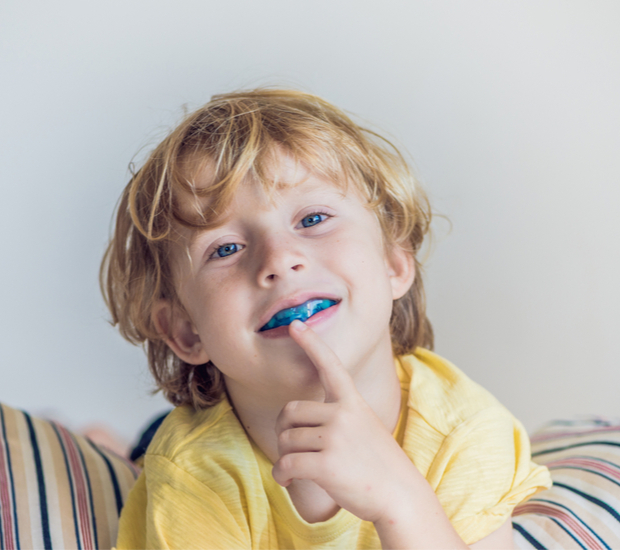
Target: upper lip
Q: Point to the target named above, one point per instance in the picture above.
(292, 301)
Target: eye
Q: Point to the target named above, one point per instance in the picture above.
(313, 219)
(226, 250)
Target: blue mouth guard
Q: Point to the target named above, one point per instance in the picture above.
(302, 312)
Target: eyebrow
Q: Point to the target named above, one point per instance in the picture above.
(221, 220)
(198, 231)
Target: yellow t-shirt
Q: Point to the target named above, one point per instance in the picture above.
(206, 485)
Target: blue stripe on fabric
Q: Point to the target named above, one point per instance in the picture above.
(12, 482)
(68, 467)
(113, 477)
(572, 512)
(555, 520)
(90, 492)
(45, 523)
(6, 446)
(592, 499)
(529, 538)
(574, 445)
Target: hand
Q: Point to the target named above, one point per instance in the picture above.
(341, 444)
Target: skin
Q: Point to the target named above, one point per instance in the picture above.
(321, 403)
(379, 482)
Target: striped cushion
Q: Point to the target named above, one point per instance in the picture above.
(582, 509)
(57, 489)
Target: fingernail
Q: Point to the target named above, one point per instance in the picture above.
(298, 325)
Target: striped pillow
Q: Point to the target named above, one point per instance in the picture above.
(57, 489)
(582, 509)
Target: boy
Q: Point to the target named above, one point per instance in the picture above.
(266, 253)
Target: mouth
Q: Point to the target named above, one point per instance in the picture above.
(303, 312)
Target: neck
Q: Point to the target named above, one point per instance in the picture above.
(375, 379)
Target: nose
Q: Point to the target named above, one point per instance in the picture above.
(280, 257)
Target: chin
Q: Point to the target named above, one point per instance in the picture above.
(301, 381)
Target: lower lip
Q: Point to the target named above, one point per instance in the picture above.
(320, 317)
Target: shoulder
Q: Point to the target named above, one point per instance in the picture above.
(472, 451)
(200, 442)
(443, 395)
(192, 486)
(186, 428)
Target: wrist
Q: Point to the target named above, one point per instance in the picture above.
(415, 519)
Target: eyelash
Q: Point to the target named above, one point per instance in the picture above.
(311, 215)
(213, 256)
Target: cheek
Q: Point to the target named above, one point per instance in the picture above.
(368, 266)
(207, 304)
(363, 255)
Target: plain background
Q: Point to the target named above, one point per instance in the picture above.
(509, 110)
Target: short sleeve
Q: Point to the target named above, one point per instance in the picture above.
(483, 470)
(169, 508)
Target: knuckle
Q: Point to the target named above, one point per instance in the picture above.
(290, 463)
(284, 436)
(279, 472)
(285, 463)
(290, 407)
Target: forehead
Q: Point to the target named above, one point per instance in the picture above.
(206, 202)
(290, 186)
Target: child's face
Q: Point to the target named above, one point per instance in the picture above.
(310, 242)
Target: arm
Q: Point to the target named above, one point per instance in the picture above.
(417, 520)
(343, 447)
(433, 529)
(499, 539)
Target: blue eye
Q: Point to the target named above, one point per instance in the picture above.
(227, 250)
(311, 220)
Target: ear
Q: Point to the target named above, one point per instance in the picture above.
(401, 270)
(176, 329)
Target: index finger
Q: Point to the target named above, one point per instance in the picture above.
(336, 381)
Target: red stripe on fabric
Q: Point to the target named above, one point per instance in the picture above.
(5, 502)
(537, 508)
(80, 489)
(586, 463)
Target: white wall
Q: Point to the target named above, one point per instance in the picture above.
(511, 111)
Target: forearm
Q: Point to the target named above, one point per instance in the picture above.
(416, 519)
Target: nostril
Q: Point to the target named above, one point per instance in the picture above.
(271, 273)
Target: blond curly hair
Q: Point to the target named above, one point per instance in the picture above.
(237, 136)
